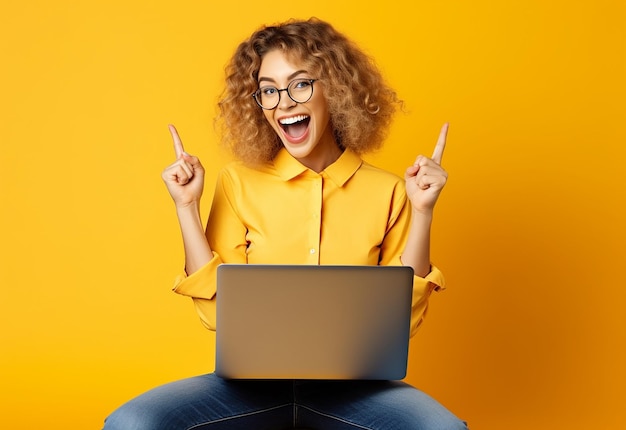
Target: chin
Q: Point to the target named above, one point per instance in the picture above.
(298, 151)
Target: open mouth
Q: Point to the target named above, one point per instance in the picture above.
(295, 126)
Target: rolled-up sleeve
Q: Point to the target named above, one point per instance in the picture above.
(422, 289)
(201, 287)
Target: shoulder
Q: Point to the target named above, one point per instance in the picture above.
(377, 184)
(238, 170)
(380, 176)
(239, 178)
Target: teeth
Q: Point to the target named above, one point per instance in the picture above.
(293, 119)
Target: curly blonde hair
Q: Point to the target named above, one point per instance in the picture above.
(361, 104)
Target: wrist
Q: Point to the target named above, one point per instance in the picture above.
(189, 214)
(424, 216)
(192, 206)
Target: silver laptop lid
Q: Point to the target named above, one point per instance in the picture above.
(312, 322)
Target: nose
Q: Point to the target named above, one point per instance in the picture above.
(285, 101)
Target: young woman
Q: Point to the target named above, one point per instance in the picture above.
(301, 104)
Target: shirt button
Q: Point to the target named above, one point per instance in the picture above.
(312, 251)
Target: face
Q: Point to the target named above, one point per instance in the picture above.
(303, 128)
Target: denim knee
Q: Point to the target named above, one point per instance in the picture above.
(128, 417)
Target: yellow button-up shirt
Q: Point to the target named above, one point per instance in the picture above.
(352, 213)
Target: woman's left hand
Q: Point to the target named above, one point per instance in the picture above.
(426, 178)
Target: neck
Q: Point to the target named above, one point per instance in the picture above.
(330, 156)
(326, 152)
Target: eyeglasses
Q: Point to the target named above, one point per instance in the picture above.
(298, 90)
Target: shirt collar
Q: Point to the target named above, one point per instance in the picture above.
(339, 172)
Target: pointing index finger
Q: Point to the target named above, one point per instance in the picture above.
(441, 144)
(178, 144)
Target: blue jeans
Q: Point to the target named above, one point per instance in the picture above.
(212, 403)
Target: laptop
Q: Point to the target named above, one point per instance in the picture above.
(312, 322)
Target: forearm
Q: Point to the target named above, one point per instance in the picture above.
(197, 249)
(417, 250)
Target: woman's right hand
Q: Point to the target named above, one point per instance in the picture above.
(185, 181)
(185, 177)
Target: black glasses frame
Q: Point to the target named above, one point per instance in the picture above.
(257, 94)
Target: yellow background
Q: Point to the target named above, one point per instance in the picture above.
(529, 231)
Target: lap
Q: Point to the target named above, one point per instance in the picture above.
(209, 402)
(376, 405)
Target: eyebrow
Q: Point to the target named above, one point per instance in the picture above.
(290, 77)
